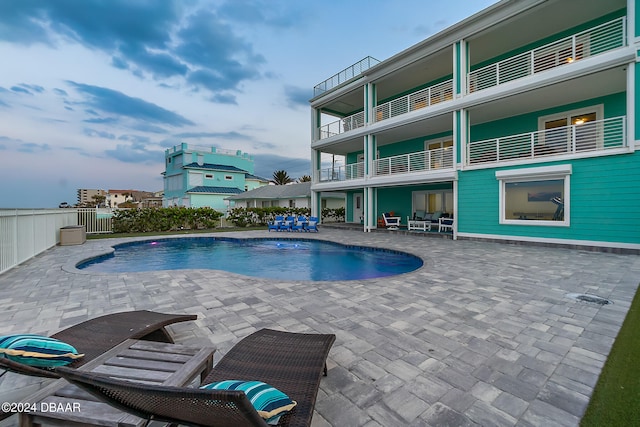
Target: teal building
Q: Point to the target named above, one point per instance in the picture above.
(519, 122)
(204, 176)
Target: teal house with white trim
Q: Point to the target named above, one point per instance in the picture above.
(205, 176)
(518, 122)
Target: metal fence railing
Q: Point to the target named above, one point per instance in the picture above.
(592, 136)
(345, 124)
(96, 220)
(344, 75)
(439, 158)
(415, 101)
(342, 173)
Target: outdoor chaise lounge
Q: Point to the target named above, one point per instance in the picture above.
(291, 362)
(96, 336)
(390, 221)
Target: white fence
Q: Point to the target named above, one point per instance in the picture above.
(24, 233)
(96, 220)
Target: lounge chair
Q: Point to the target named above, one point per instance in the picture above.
(96, 336)
(312, 225)
(287, 224)
(276, 223)
(391, 222)
(300, 224)
(291, 362)
(445, 224)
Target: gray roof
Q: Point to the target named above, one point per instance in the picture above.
(291, 191)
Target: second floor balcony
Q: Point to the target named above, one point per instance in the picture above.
(594, 136)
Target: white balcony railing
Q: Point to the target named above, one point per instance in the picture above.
(343, 125)
(600, 39)
(342, 173)
(414, 101)
(593, 136)
(440, 158)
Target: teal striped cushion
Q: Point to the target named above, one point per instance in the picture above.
(36, 350)
(270, 403)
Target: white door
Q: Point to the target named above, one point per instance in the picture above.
(358, 209)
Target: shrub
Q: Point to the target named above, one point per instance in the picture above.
(164, 219)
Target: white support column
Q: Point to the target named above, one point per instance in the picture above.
(370, 209)
(631, 104)
(455, 208)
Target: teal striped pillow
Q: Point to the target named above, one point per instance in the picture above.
(270, 403)
(38, 351)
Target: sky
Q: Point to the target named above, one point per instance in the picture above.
(92, 92)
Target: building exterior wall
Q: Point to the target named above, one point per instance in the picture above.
(493, 91)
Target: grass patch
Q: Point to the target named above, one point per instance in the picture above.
(170, 233)
(617, 393)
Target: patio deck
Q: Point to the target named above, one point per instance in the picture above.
(482, 334)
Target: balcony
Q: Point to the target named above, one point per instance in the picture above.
(595, 136)
(343, 125)
(344, 75)
(415, 101)
(440, 158)
(342, 173)
(597, 40)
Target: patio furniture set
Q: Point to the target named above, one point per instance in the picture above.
(291, 223)
(132, 373)
(421, 220)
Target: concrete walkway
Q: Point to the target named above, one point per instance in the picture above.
(483, 334)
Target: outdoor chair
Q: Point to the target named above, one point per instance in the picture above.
(96, 336)
(287, 224)
(312, 225)
(445, 224)
(276, 223)
(291, 362)
(391, 222)
(300, 224)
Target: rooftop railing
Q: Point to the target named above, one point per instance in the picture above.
(600, 39)
(344, 75)
(415, 101)
(600, 135)
(343, 125)
(439, 158)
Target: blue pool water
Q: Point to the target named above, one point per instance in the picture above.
(284, 259)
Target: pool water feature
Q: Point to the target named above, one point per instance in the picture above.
(284, 259)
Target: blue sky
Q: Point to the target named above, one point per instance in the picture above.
(93, 91)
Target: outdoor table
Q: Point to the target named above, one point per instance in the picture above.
(61, 403)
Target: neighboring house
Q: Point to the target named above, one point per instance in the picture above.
(206, 176)
(115, 197)
(288, 196)
(519, 121)
(86, 196)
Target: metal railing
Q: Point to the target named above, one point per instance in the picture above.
(598, 135)
(344, 75)
(96, 220)
(343, 125)
(24, 233)
(600, 39)
(439, 158)
(414, 101)
(342, 173)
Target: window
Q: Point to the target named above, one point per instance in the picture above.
(228, 178)
(535, 196)
(433, 201)
(209, 176)
(570, 132)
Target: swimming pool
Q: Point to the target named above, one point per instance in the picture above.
(285, 259)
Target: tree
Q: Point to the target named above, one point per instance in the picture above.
(281, 177)
(304, 178)
(98, 199)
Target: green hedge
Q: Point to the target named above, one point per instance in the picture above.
(244, 217)
(164, 219)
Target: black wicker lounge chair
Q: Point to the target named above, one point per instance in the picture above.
(291, 362)
(96, 336)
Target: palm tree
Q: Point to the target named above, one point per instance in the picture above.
(281, 177)
(304, 178)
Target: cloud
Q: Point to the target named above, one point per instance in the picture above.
(92, 133)
(20, 89)
(32, 88)
(220, 98)
(134, 138)
(221, 135)
(32, 147)
(60, 92)
(297, 96)
(162, 39)
(266, 164)
(114, 102)
(102, 120)
(135, 153)
(263, 12)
